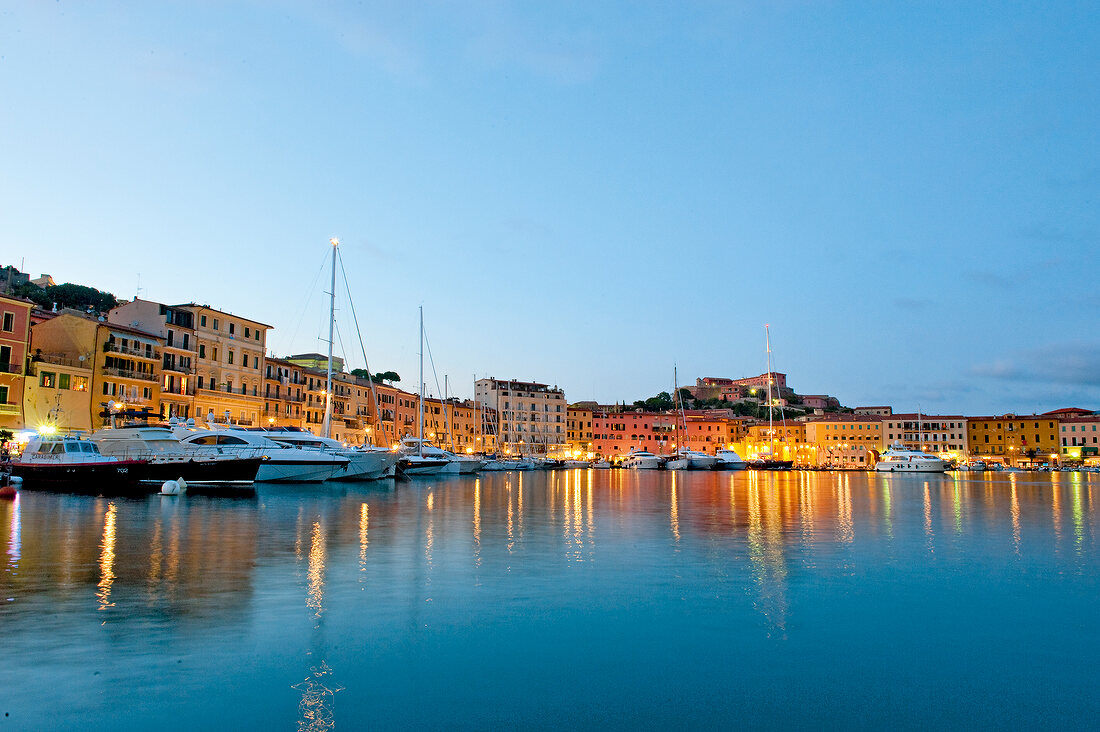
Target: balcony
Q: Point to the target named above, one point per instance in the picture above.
(177, 391)
(177, 368)
(9, 410)
(11, 368)
(153, 354)
(129, 374)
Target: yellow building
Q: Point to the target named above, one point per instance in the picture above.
(783, 441)
(578, 430)
(284, 394)
(124, 366)
(229, 365)
(843, 441)
(1013, 439)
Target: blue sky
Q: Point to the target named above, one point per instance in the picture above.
(586, 193)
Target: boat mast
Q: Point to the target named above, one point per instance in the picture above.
(771, 422)
(420, 400)
(327, 425)
(676, 391)
(446, 422)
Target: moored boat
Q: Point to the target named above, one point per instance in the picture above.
(899, 459)
(74, 465)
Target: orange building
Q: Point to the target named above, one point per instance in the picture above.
(15, 336)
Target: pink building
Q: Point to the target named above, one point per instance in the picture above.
(15, 334)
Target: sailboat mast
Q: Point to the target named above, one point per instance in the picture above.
(446, 421)
(771, 421)
(326, 426)
(420, 400)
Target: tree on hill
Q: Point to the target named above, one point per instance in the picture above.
(68, 295)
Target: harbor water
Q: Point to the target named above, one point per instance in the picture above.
(569, 599)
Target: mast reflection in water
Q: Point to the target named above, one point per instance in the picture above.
(581, 598)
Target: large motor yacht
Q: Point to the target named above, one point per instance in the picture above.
(281, 463)
(729, 460)
(642, 460)
(362, 464)
(900, 459)
(170, 459)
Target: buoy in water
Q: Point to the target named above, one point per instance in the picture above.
(170, 488)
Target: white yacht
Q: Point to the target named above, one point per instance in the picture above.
(697, 460)
(729, 460)
(642, 460)
(677, 462)
(170, 459)
(900, 459)
(571, 464)
(362, 464)
(281, 464)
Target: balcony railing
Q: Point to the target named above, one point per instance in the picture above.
(9, 409)
(59, 359)
(152, 353)
(10, 368)
(128, 373)
(177, 368)
(177, 391)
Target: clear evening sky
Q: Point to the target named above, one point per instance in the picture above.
(585, 193)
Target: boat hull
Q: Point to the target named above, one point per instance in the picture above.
(293, 471)
(117, 477)
(202, 473)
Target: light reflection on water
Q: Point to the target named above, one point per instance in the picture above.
(694, 599)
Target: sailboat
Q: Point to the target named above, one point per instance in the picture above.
(360, 464)
(769, 461)
(678, 460)
(413, 460)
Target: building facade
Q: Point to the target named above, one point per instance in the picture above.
(15, 336)
(531, 417)
(229, 365)
(1013, 439)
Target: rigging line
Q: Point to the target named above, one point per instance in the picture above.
(366, 364)
(428, 346)
(306, 302)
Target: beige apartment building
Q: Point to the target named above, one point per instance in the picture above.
(229, 365)
(531, 417)
(177, 328)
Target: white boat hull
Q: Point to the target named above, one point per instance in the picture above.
(273, 471)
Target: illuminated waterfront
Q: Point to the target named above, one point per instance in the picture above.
(569, 599)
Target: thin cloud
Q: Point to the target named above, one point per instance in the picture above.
(1072, 364)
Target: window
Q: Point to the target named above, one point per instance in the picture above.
(202, 320)
(5, 358)
(214, 353)
(3, 395)
(9, 322)
(80, 383)
(257, 334)
(229, 355)
(202, 350)
(63, 381)
(48, 379)
(185, 339)
(247, 333)
(215, 323)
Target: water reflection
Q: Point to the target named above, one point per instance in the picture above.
(748, 556)
(107, 559)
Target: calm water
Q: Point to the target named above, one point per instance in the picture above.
(584, 599)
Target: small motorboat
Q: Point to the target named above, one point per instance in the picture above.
(72, 464)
